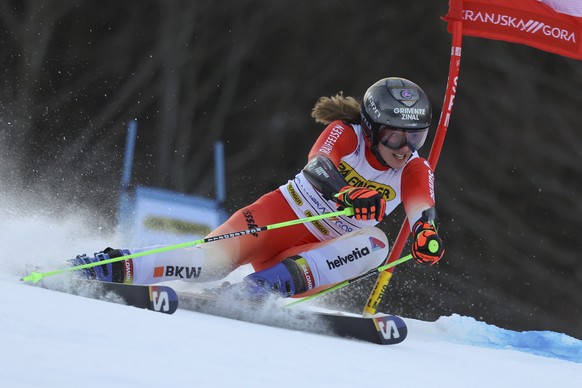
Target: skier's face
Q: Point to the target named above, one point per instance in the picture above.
(396, 145)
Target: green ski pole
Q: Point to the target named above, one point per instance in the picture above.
(353, 280)
(37, 276)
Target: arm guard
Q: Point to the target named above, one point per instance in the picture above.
(324, 176)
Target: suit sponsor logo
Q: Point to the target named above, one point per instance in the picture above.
(321, 207)
(356, 254)
(306, 272)
(355, 179)
(294, 195)
(248, 214)
(317, 224)
(128, 271)
(376, 244)
(177, 272)
(329, 143)
(431, 184)
(340, 224)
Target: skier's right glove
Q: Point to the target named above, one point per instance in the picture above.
(368, 204)
(427, 247)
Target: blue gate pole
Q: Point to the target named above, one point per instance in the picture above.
(125, 205)
(129, 151)
(219, 172)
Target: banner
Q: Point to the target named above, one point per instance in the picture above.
(550, 25)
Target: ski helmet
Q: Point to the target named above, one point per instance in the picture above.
(396, 104)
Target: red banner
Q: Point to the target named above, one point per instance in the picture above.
(550, 25)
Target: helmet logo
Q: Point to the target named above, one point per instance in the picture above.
(373, 106)
(406, 94)
(410, 113)
(408, 97)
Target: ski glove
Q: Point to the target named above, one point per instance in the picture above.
(368, 204)
(427, 247)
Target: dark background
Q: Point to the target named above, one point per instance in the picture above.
(509, 180)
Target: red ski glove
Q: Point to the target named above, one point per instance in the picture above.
(427, 247)
(368, 204)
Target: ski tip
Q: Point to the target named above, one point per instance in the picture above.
(391, 329)
(163, 299)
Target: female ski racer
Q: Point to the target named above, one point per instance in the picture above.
(366, 158)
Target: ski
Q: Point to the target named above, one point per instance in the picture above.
(162, 299)
(381, 329)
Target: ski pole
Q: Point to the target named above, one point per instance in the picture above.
(353, 280)
(37, 276)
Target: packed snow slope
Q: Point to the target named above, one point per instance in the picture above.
(53, 339)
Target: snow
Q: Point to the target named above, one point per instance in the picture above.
(53, 339)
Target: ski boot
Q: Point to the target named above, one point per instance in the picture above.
(110, 272)
(284, 279)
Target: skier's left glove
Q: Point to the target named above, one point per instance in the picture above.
(368, 204)
(427, 247)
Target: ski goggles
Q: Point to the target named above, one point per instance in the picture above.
(396, 138)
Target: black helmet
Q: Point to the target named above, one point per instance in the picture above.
(397, 104)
